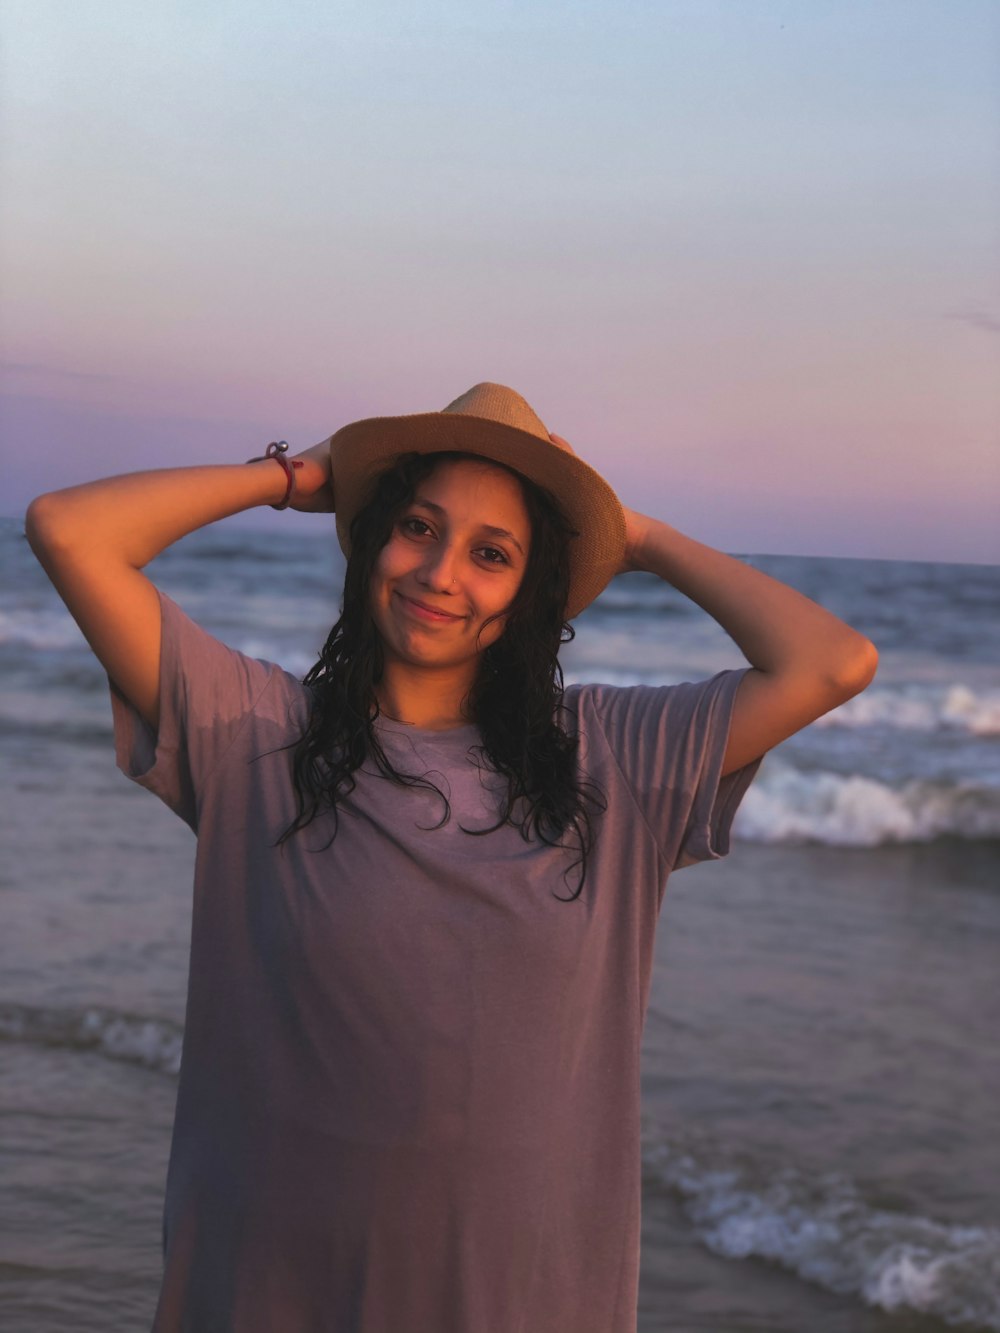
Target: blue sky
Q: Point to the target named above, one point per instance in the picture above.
(743, 255)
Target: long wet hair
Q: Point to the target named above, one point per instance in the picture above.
(516, 698)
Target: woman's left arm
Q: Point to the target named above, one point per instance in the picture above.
(804, 660)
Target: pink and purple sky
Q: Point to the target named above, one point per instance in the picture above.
(743, 254)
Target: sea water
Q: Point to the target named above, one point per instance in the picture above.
(821, 1086)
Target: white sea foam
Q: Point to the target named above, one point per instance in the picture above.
(294, 660)
(823, 1230)
(921, 708)
(786, 804)
(48, 629)
(618, 676)
(154, 1043)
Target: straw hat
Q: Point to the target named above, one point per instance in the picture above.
(498, 424)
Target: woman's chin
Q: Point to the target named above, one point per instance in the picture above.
(421, 652)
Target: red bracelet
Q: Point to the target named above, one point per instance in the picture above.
(277, 450)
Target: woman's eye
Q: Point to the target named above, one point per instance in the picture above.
(493, 555)
(415, 526)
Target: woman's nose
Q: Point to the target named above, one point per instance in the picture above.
(438, 570)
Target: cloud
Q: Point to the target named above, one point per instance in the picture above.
(978, 319)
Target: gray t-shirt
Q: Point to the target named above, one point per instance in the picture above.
(409, 1091)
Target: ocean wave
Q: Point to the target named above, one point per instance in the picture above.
(787, 805)
(620, 677)
(660, 601)
(153, 1043)
(921, 708)
(75, 732)
(296, 662)
(49, 629)
(824, 1231)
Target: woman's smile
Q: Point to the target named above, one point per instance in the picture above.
(425, 612)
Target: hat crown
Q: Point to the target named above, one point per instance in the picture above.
(495, 402)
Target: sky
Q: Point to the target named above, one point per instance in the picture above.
(743, 254)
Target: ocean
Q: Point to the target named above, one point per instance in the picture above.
(821, 1087)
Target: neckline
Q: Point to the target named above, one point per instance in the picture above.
(392, 727)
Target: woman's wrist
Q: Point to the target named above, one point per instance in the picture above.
(277, 453)
(272, 482)
(636, 531)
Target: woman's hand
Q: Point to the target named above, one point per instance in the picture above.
(313, 493)
(635, 523)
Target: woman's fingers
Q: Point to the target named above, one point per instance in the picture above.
(563, 444)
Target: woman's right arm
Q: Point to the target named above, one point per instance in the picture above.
(94, 540)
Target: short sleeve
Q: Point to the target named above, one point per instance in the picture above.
(668, 744)
(207, 692)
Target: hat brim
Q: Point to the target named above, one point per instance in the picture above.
(362, 450)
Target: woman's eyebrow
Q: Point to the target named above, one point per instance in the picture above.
(502, 532)
(485, 527)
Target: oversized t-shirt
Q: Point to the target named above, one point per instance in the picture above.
(409, 1088)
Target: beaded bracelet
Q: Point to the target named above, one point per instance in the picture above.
(277, 450)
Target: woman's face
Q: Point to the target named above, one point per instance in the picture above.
(456, 556)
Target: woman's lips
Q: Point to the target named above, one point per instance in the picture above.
(424, 612)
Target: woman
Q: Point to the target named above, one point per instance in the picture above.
(427, 878)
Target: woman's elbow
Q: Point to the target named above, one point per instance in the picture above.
(46, 527)
(38, 522)
(855, 668)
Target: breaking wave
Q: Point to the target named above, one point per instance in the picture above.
(825, 1232)
(921, 708)
(787, 805)
(154, 1043)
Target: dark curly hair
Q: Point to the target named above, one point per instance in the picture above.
(515, 700)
